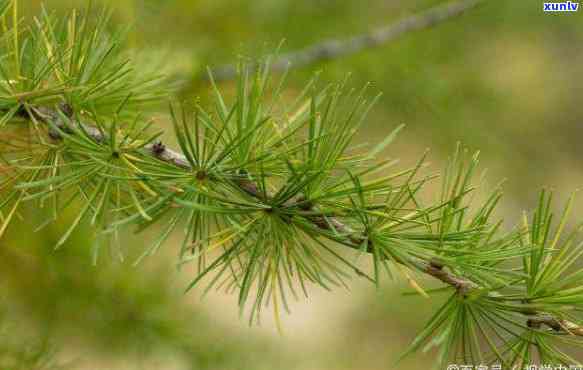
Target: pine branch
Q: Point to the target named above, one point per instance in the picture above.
(464, 287)
(337, 48)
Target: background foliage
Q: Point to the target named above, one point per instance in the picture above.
(501, 78)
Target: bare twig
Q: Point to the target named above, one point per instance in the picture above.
(336, 48)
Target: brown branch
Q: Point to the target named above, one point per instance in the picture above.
(556, 324)
(336, 48)
(432, 268)
(462, 285)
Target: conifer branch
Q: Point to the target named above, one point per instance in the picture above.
(159, 150)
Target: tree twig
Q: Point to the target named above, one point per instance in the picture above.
(556, 324)
(336, 48)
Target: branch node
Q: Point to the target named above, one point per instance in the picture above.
(201, 175)
(158, 148)
(66, 109)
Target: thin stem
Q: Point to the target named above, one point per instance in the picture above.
(334, 48)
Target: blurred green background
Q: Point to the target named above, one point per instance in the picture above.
(504, 78)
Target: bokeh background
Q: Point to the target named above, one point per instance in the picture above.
(504, 78)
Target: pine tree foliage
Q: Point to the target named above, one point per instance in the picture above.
(273, 197)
